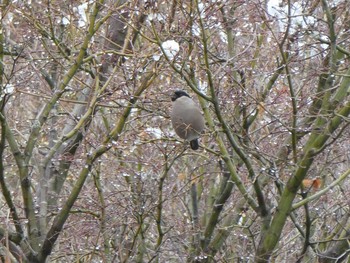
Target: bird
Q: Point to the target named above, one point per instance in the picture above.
(186, 118)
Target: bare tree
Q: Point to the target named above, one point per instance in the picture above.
(91, 170)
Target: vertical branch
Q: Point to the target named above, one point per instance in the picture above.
(103, 218)
(195, 218)
(4, 189)
(226, 228)
(225, 127)
(2, 71)
(19, 157)
(224, 193)
(41, 118)
(285, 59)
(44, 113)
(323, 104)
(72, 133)
(269, 242)
(114, 135)
(3, 97)
(159, 209)
(61, 218)
(46, 171)
(307, 228)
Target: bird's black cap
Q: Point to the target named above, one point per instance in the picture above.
(178, 94)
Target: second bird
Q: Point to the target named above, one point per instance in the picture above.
(186, 118)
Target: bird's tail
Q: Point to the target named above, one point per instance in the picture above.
(194, 144)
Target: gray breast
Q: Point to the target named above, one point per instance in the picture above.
(187, 119)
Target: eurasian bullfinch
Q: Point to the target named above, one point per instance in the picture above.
(186, 118)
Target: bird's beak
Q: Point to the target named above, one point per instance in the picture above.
(173, 97)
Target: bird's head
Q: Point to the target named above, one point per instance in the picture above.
(178, 94)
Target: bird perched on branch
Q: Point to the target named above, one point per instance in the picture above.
(186, 118)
